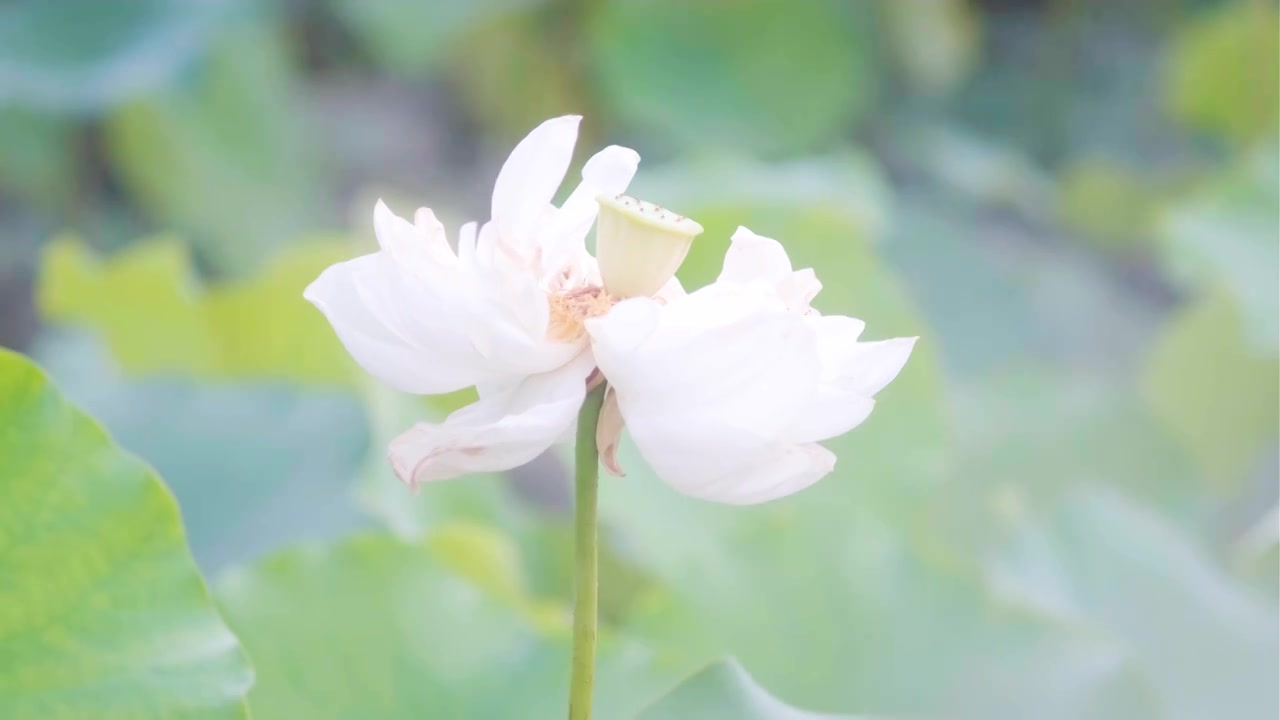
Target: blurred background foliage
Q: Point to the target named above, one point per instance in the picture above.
(1064, 508)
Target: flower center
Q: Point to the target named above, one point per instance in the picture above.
(570, 308)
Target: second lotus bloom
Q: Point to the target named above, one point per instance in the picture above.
(726, 391)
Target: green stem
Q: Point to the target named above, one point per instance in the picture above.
(586, 476)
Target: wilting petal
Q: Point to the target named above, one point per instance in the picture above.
(531, 175)
(609, 433)
(497, 432)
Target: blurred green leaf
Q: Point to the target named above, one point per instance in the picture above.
(1214, 391)
(84, 55)
(1029, 436)
(830, 569)
(377, 628)
(878, 614)
(1110, 204)
(140, 300)
(980, 170)
(512, 76)
(770, 75)
(155, 318)
(980, 313)
(224, 160)
(254, 465)
(725, 691)
(37, 157)
(856, 580)
(844, 200)
(543, 535)
(954, 31)
(412, 514)
(1222, 74)
(102, 611)
(412, 36)
(1255, 554)
(1103, 567)
(1225, 233)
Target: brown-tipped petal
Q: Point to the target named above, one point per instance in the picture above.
(609, 432)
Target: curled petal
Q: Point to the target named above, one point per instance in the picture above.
(609, 432)
(498, 432)
(608, 172)
(531, 175)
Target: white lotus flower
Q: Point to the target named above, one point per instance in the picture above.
(727, 391)
(503, 313)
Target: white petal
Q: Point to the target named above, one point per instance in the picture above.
(366, 301)
(852, 373)
(709, 386)
(754, 258)
(496, 433)
(531, 175)
(421, 247)
(608, 172)
(828, 412)
(467, 242)
(787, 470)
(867, 367)
(671, 292)
(627, 324)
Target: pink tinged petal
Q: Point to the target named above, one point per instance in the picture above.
(496, 433)
(373, 335)
(531, 175)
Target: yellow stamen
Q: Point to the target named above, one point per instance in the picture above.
(571, 308)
